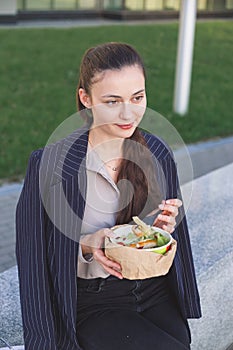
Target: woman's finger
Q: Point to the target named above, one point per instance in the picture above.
(113, 272)
(174, 201)
(110, 266)
(173, 210)
(168, 219)
(169, 228)
(101, 258)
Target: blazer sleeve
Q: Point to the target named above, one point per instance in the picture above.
(183, 268)
(34, 279)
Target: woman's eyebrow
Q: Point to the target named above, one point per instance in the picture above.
(138, 92)
(117, 96)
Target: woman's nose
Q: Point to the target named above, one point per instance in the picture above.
(126, 112)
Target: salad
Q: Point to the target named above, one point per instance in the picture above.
(141, 236)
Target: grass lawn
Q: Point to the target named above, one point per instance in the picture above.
(39, 73)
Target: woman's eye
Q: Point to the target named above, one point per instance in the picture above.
(112, 102)
(138, 98)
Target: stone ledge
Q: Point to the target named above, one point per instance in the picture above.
(205, 157)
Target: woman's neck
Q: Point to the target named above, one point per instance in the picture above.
(105, 145)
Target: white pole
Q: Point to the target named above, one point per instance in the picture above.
(184, 56)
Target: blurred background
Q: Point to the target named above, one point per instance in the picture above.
(122, 4)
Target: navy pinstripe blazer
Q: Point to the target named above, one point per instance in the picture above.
(47, 232)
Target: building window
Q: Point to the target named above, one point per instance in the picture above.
(146, 5)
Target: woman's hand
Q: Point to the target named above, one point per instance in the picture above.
(167, 219)
(93, 244)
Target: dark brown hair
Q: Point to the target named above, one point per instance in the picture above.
(137, 165)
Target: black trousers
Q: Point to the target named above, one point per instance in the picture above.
(115, 314)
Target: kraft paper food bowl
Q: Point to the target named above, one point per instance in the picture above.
(124, 230)
(139, 263)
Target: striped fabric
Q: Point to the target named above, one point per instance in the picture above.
(48, 221)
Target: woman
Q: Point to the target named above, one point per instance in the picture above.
(72, 295)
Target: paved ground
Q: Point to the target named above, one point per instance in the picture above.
(211, 236)
(68, 23)
(8, 197)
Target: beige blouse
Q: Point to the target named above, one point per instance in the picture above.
(102, 200)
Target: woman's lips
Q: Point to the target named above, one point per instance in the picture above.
(125, 126)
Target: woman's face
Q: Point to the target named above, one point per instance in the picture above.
(117, 100)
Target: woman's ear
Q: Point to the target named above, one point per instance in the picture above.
(84, 98)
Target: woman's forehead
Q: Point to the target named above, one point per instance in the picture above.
(129, 77)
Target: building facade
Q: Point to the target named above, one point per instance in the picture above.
(140, 5)
(13, 10)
